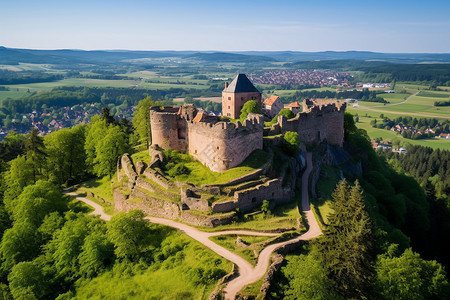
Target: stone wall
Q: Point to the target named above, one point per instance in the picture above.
(149, 205)
(224, 145)
(169, 130)
(191, 200)
(251, 198)
(205, 220)
(128, 168)
(166, 209)
(157, 177)
(322, 120)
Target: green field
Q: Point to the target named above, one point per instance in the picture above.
(387, 134)
(418, 106)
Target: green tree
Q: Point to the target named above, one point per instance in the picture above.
(27, 281)
(108, 150)
(66, 248)
(35, 148)
(18, 244)
(66, 154)
(284, 112)
(16, 179)
(307, 278)
(410, 277)
(106, 116)
(96, 254)
(95, 133)
(130, 234)
(12, 146)
(346, 246)
(141, 120)
(291, 142)
(38, 200)
(249, 107)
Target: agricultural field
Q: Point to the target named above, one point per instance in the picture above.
(418, 103)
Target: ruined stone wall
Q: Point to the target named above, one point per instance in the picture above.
(322, 120)
(225, 145)
(128, 167)
(165, 209)
(157, 177)
(169, 130)
(206, 221)
(149, 205)
(251, 198)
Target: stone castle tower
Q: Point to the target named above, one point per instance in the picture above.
(235, 94)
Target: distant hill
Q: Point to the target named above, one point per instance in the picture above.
(229, 57)
(353, 55)
(13, 56)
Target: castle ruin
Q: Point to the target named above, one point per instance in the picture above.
(222, 144)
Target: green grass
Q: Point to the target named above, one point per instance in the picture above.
(200, 174)
(169, 279)
(99, 187)
(434, 94)
(394, 98)
(434, 143)
(283, 217)
(252, 290)
(141, 155)
(254, 243)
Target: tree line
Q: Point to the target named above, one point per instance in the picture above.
(49, 245)
(10, 77)
(371, 241)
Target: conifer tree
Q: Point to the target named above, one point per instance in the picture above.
(34, 145)
(346, 247)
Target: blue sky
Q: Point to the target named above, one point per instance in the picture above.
(314, 25)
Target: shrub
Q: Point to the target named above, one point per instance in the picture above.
(178, 169)
(291, 142)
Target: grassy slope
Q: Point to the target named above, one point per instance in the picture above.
(170, 279)
(282, 217)
(201, 174)
(229, 242)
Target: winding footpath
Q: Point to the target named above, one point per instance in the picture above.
(246, 272)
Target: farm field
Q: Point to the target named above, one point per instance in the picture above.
(364, 123)
(420, 104)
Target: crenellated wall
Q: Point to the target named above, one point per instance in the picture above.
(169, 128)
(320, 120)
(224, 145)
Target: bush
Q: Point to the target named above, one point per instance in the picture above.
(291, 143)
(178, 169)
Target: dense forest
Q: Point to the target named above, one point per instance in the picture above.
(383, 236)
(50, 248)
(436, 73)
(11, 77)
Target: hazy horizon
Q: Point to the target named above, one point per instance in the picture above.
(382, 26)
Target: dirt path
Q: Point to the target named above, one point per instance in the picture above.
(98, 209)
(247, 274)
(260, 269)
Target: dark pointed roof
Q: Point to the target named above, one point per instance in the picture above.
(241, 84)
